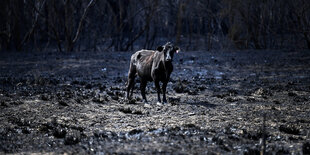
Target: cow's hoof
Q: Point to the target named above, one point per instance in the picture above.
(164, 103)
(147, 105)
(159, 104)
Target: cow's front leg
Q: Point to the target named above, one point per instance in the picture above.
(164, 92)
(158, 91)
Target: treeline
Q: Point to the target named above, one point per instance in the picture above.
(68, 25)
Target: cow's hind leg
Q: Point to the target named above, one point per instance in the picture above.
(131, 81)
(132, 87)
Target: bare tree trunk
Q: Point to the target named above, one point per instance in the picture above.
(15, 24)
(5, 14)
(34, 23)
(179, 21)
(209, 34)
(190, 34)
(68, 25)
(79, 29)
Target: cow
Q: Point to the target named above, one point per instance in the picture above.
(151, 65)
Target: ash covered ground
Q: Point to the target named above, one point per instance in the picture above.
(237, 102)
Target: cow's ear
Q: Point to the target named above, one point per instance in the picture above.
(176, 49)
(160, 48)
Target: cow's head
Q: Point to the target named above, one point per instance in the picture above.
(169, 49)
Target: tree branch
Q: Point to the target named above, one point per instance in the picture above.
(81, 21)
(30, 32)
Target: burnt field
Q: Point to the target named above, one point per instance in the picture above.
(219, 102)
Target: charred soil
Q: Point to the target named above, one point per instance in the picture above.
(239, 102)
